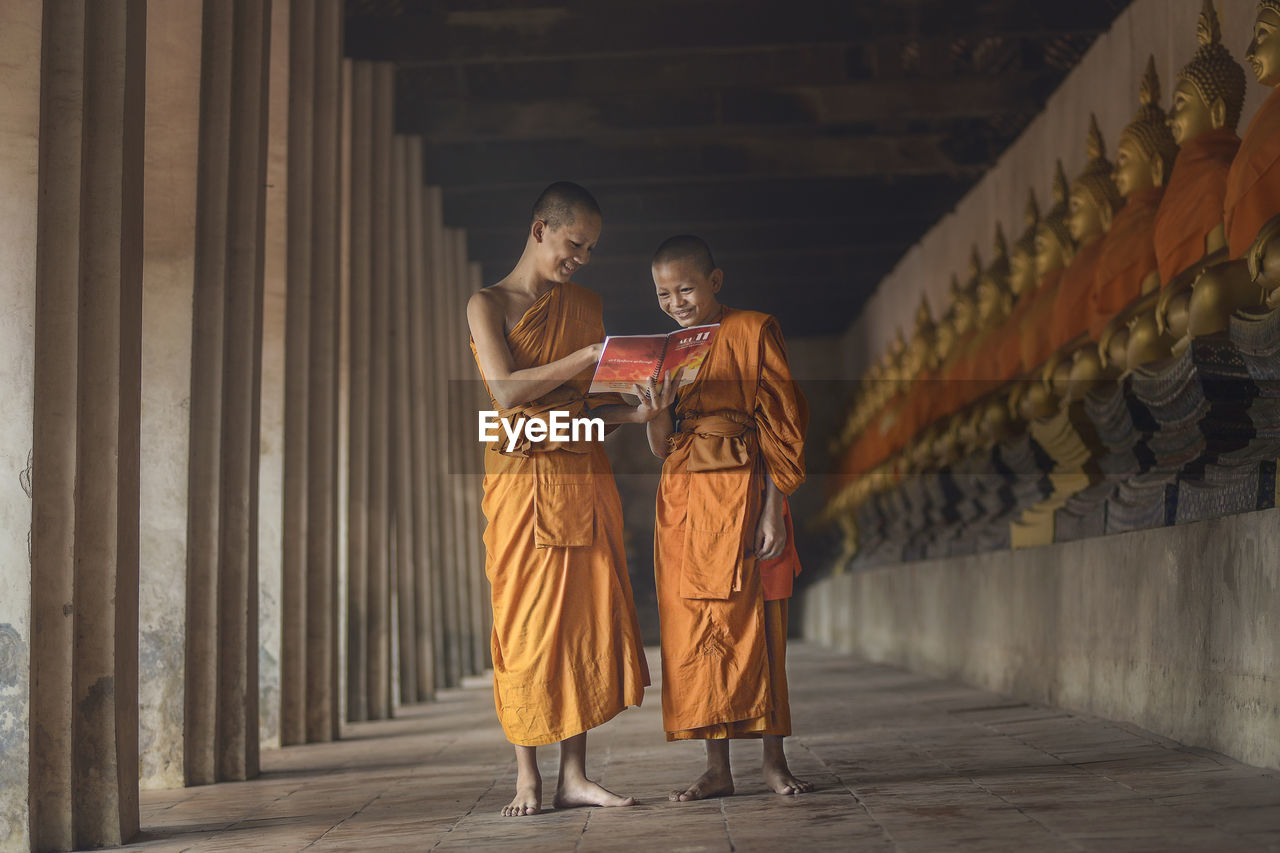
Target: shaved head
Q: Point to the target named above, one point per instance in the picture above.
(561, 203)
(686, 247)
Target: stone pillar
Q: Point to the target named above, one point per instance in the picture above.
(445, 316)
(378, 602)
(357, 384)
(462, 438)
(402, 471)
(275, 498)
(20, 114)
(88, 337)
(222, 577)
(298, 107)
(481, 610)
(169, 221)
(341, 494)
(322, 444)
(442, 618)
(422, 397)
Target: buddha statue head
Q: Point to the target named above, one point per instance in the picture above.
(897, 364)
(964, 298)
(1146, 150)
(1054, 246)
(1210, 89)
(1263, 54)
(944, 335)
(922, 351)
(1094, 199)
(1022, 260)
(995, 300)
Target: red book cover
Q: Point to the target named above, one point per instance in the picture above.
(630, 360)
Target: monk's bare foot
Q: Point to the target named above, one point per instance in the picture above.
(782, 782)
(716, 782)
(584, 792)
(527, 801)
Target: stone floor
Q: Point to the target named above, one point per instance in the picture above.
(902, 762)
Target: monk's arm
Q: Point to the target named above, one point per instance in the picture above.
(509, 386)
(659, 430)
(771, 532)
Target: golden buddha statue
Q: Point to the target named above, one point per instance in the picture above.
(1128, 275)
(1022, 260)
(994, 295)
(1251, 204)
(1054, 249)
(1093, 203)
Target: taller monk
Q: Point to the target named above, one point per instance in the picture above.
(732, 452)
(566, 643)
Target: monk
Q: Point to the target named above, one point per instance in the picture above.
(567, 654)
(732, 452)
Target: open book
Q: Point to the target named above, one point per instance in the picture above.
(630, 360)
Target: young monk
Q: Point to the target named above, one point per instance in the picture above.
(732, 450)
(566, 643)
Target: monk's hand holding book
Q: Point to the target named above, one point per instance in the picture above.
(656, 397)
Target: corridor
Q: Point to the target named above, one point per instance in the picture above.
(902, 762)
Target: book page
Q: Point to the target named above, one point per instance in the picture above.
(627, 361)
(687, 348)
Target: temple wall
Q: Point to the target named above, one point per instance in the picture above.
(1176, 629)
(1104, 82)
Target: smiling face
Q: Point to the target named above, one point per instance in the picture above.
(563, 251)
(1263, 54)
(685, 293)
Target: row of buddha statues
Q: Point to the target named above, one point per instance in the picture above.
(1132, 262)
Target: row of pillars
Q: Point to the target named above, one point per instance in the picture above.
(240, 502)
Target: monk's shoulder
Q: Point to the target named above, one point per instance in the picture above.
(749, 324)
(588, 300)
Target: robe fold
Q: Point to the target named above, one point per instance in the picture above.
(1034, 338)
(1193, 200)
(567, 654)
(723, 644)
(1127, 256)
(1072, 304)
(1253, 184)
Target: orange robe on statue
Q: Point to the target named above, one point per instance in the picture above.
(1253, 185)
(1035, 336)
(567, 654)
(723, 643)
(1072, 306)
(1193, 200)
(1127, 256)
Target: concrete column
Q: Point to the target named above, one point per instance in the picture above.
(378, 628)
(237, 699)
(52, 541)
(298, 107)
(460, 437)
(436, 446)
(422, 397)
(482, 611)
(169, 221)
(358, 375)
(322, 716)
(402, 471)
(341, 503)
(20, 116)
(445, 317)
(275, 502)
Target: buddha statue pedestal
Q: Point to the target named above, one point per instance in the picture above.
(1068, 439)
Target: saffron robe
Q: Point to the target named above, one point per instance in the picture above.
(1193, 200)
(1253, 184)
(567, 654)
(723, 645)
(1072, 305)
(1034, 333)
(1127, 256)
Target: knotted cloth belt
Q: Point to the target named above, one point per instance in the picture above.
(721, 441)
(720, 461)
(560, 400)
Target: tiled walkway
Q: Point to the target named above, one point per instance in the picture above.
(902, 762)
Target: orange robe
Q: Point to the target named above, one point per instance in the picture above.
(1072, 306)
(723, 644)
(1006, 346)
(1253, 185)
(1127, 256)
(567, 654)
(1034, 333)
(1193, 200)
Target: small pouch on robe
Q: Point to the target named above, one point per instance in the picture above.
(564, 501)
(713, 547)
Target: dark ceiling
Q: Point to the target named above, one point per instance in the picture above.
(811, 142)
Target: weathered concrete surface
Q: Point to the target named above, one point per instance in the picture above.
(172, 122)
(902, 762)
(1176, 630)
